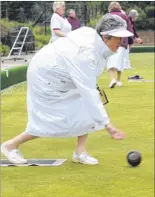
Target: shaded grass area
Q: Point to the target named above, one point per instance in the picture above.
(131, 108)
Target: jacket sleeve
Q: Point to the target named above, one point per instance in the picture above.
(83, 73)
(135, 32)
(129, 25)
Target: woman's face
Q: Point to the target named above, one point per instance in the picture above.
(113, 43)
(61, 10)
(134, 18)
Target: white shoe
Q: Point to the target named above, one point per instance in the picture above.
(119, 83)
(84, 158)
(112, 83)
(14, 156)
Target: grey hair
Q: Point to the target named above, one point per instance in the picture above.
(58, 4)
(71, 10)
(114, 6)
(110, 22)
(133, 13)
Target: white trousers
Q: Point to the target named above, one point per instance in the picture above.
(127, 59)
(117, 60)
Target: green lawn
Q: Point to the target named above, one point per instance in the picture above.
(131, 108)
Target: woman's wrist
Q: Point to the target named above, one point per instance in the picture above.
(111, 130)
(114, 132)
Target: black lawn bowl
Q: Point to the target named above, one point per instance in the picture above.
(134, 158)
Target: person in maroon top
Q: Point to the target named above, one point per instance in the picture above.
(116, 62)
(73, 20)
(133, 15)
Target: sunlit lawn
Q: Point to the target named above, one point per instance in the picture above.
(131, 108)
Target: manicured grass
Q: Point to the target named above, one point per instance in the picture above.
(131, 108)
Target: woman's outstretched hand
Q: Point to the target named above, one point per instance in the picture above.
(114, 132)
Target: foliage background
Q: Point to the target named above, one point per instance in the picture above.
(28, 11)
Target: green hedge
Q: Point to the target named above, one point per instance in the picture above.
(143, 49)
(4, 49)
(15, 76)
(150, 11)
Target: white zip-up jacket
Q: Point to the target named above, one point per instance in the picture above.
(62, 97)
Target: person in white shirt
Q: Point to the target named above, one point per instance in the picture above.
(59, 24)
(62, 98)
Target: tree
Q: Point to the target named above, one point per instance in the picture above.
(150, 11)
(30, 11)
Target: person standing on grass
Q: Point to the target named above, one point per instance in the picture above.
(73, 20)
(62, 96)
(59, 24)
(133, 15)
(115, 63)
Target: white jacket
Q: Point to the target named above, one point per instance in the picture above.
(62, 97)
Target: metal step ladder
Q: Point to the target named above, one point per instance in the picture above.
(19, 43)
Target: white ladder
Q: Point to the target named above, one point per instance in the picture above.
(26, 29)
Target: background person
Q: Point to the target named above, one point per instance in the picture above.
(73, 20)
(59, 24)
(133, 15)
(115, 63)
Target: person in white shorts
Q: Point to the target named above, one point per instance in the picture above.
(62, 96)
(59, 24)
(116, 62)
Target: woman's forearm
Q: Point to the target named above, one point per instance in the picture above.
(59, 33)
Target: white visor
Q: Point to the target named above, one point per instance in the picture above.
(121, 32)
